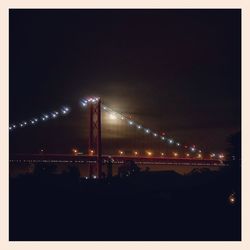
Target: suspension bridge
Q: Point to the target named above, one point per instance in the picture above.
(156, 149)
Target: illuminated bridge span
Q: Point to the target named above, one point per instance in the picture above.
(190, 155)
(69, 158)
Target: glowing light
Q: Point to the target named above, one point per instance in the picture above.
(149, 153)
(232, 198)
(14, 126)
(32, 122)
(21, 125)
(147, 131)
(155, 135)
(221, 156)
(175, 154)
(10, 128)
(120, 152)
(162, 154)
(212, 155)
(192, 149)
(171, 141)
(54, 115)
(112, 117)
(199, 155)
(74, 150)
(25, 123)
(187, 155)
(139, 126)
(91, 151)
(135, 153)
(46, 116)
(163, 138)
(178, 144)
(131, 122)
(84, 104)
(104, 107)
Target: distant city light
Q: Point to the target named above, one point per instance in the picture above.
(131, 122)
(232, 198)
(175, 154)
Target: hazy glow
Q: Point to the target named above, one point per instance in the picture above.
(112, 117)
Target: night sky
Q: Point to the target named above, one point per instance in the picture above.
(177, 71)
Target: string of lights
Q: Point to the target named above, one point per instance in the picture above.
(113, 115)
(42, 118)
(116, 115)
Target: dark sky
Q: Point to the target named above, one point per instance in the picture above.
(173, 70)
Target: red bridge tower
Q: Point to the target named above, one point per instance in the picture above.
(95, 138)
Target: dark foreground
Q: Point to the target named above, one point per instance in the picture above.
(147, 206)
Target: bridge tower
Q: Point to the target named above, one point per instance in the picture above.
(95, 139)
